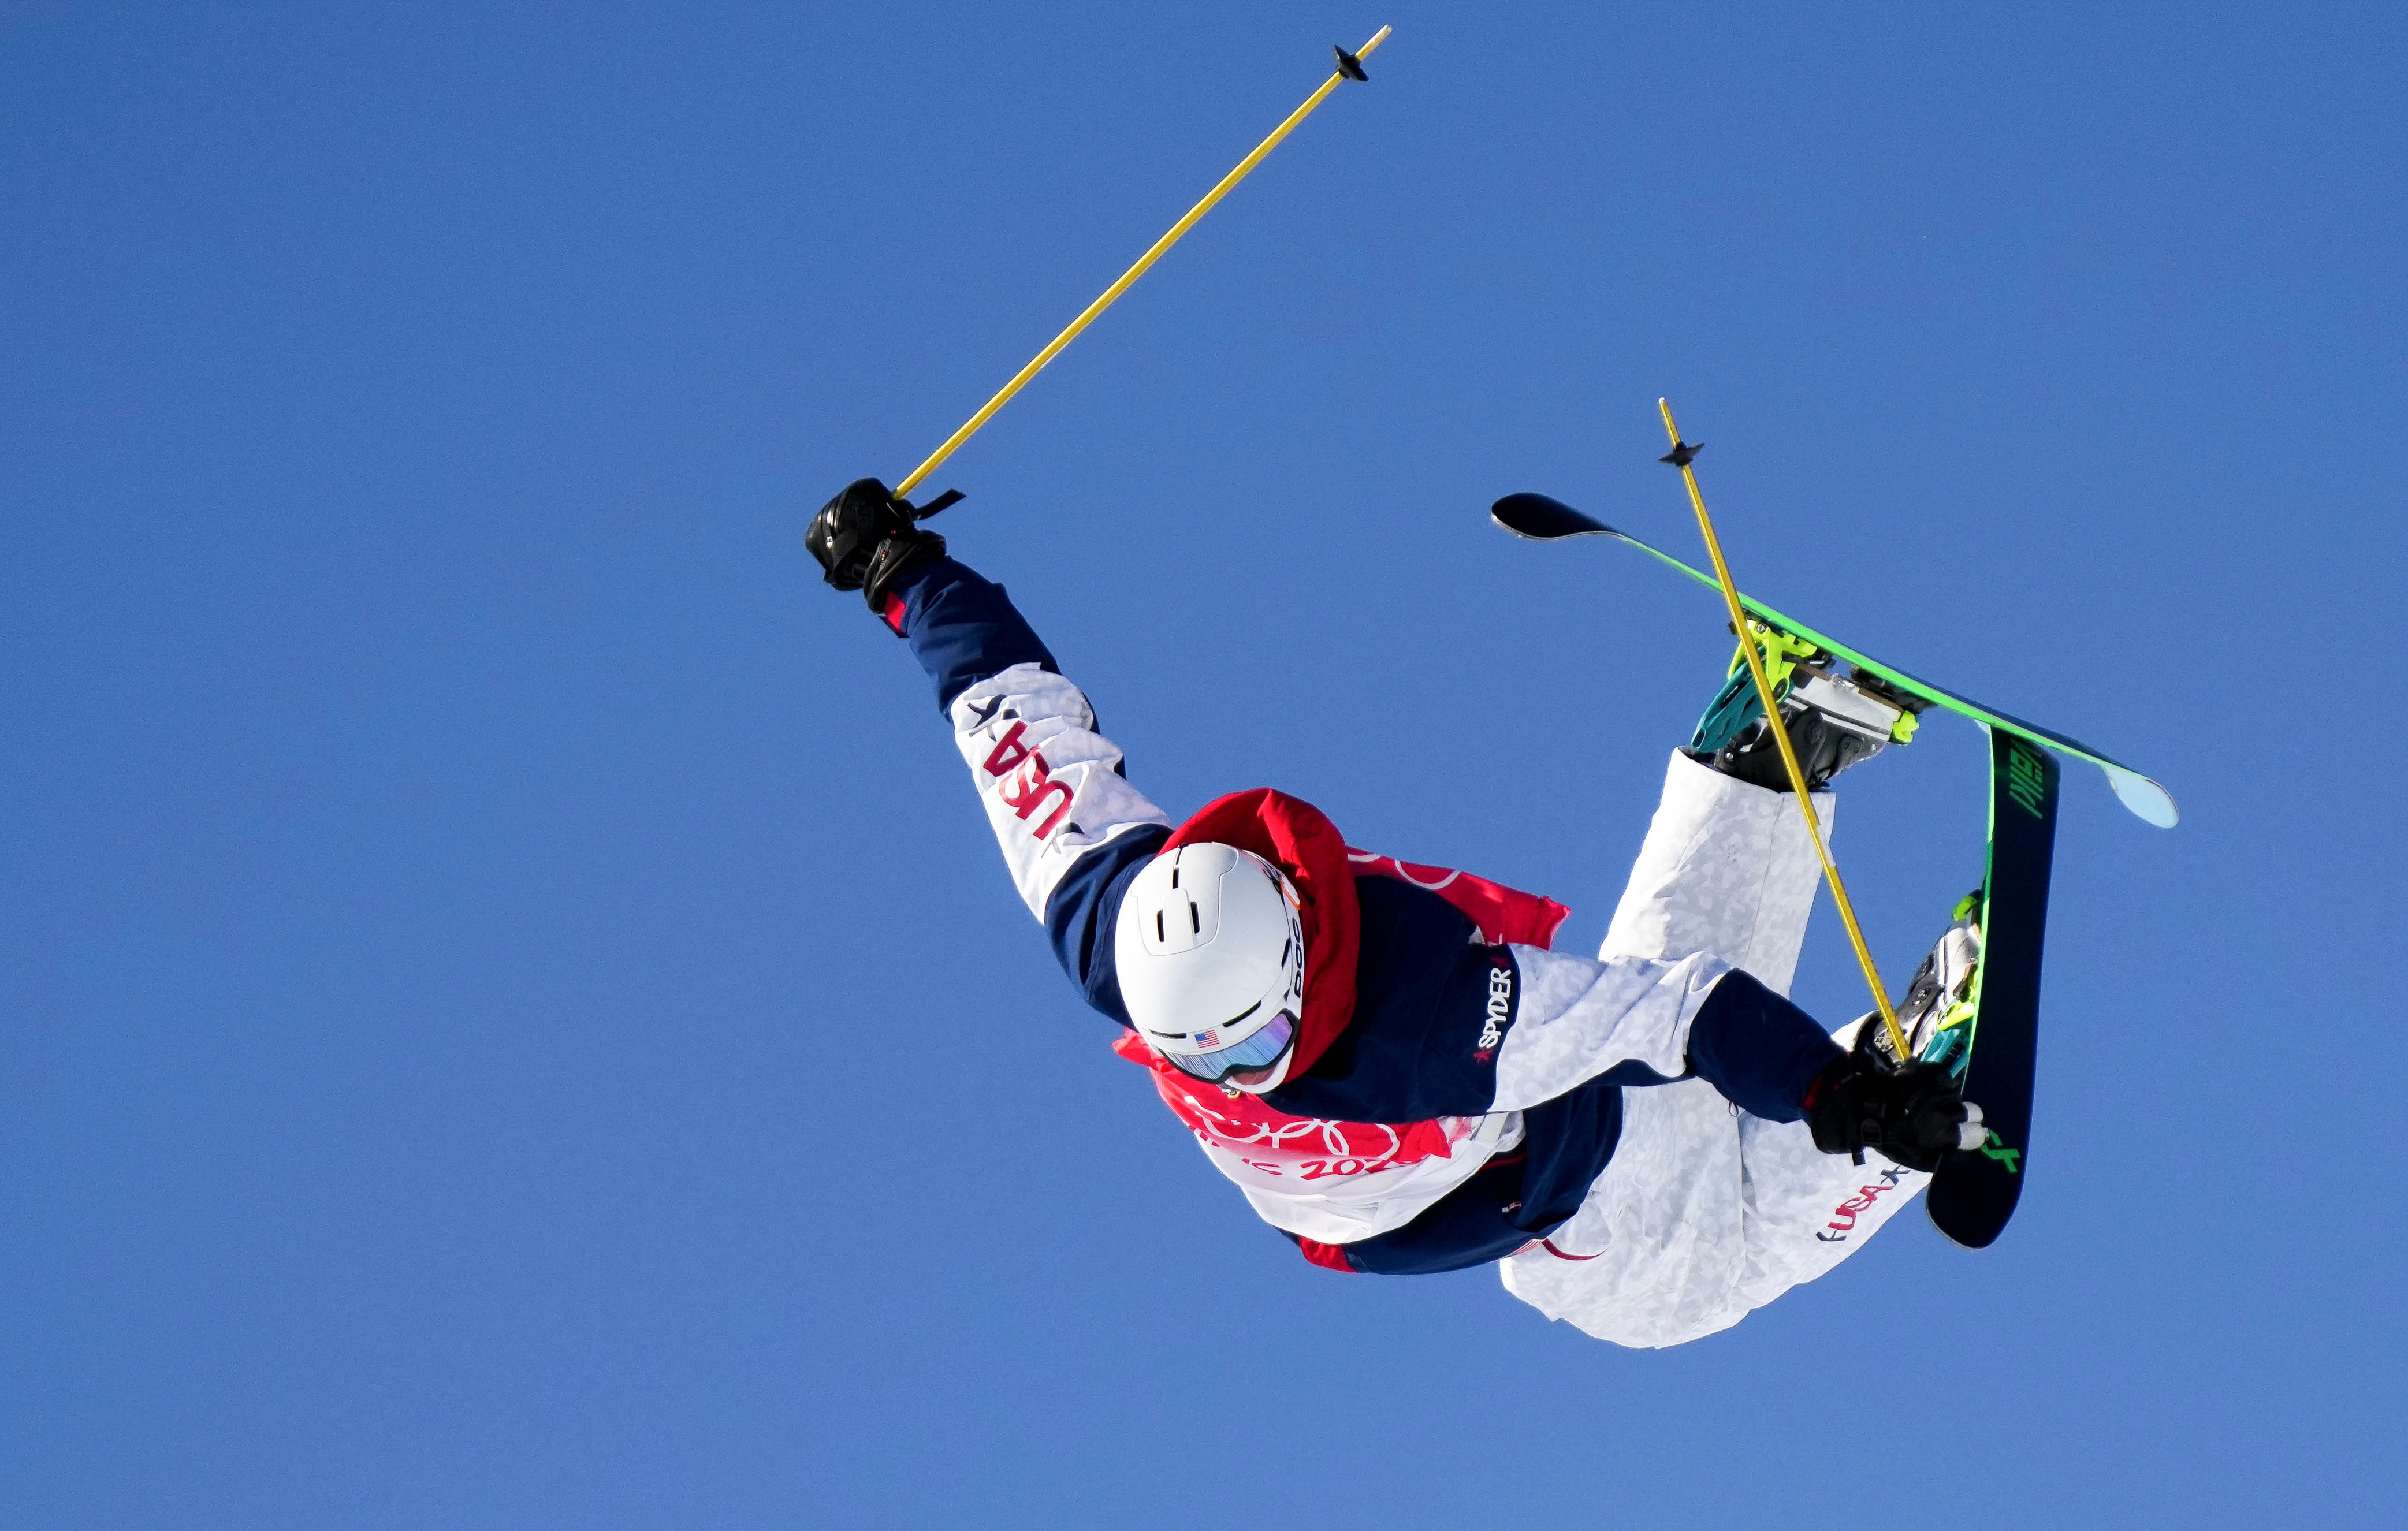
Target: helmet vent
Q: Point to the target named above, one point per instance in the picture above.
(1196, 920)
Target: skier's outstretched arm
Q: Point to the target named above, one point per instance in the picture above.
(1071, 828)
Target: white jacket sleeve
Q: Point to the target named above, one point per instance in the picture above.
(1051, 783)
(1579, 1017)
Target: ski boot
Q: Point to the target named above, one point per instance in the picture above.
(1834, 719)
(1938, 1002)
(1911, 1109)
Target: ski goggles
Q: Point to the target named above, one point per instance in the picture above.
(1259, 1052)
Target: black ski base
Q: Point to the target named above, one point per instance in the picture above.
(1974, 1194)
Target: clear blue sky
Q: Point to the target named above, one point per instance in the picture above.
(486, 934)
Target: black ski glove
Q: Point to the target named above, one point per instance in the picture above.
(1914, 1117)
(864, 539)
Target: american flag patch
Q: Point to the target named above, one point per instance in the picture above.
(1208, 1039)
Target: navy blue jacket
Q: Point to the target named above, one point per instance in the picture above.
(1422, 983)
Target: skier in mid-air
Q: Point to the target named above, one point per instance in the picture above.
(1390, 1062)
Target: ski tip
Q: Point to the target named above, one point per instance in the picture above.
(2149, 802)
(1543, 520)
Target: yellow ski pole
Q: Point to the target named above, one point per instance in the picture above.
(1350, 67)
(1681, 456)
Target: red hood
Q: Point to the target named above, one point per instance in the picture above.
(1298, 840)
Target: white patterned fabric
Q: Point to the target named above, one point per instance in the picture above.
(1706, 1212)
(1051, 783)
(1337, 1182)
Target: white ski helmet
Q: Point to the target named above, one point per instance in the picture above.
(1210, 950)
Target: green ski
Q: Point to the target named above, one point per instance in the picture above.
(1545, 520)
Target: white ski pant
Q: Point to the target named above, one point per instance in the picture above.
(1704, 1211)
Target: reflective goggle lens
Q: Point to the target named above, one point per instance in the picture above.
(1259, 1051)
